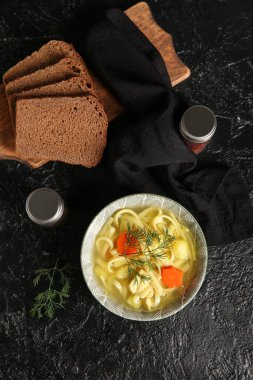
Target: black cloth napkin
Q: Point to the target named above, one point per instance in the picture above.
(145, 152)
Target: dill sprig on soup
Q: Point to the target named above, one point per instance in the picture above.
(144, 258)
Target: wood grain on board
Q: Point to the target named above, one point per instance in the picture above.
(141, 15)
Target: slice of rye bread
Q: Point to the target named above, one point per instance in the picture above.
(69, 87)
(69, 129)
(49, 54)
(64, 69)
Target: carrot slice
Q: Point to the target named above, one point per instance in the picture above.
(172, 277)
(123, 248)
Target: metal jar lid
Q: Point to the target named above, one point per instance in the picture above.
(44, 207)
(198, 124)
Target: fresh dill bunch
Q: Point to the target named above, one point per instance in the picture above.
(57, 292)
(145, 257)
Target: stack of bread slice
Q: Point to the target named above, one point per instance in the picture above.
(55, 111)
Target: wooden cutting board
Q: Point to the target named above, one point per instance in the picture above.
(141, 15)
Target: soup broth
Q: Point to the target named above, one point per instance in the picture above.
(144, 258)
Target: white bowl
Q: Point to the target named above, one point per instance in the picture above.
(140, 200)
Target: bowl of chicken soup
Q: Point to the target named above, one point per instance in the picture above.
(144, 257)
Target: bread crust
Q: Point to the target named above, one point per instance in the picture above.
(69, 87)
(49, 54)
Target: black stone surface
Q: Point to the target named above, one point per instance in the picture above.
(212, 337)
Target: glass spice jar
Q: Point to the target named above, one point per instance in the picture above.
(197, 127)
(46, 208)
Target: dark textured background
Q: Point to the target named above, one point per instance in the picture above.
(212, 337)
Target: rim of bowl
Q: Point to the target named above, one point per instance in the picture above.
(147, 318)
